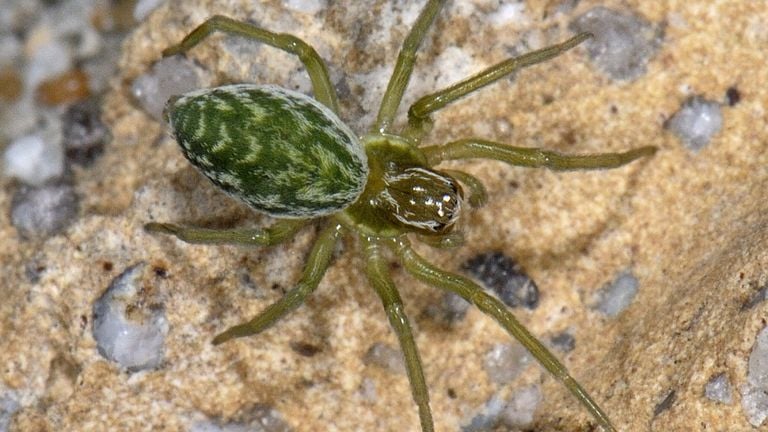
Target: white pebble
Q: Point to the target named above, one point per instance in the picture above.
(521, 407)
(718, 389)
(48, 60)
(618, 295)
(754, 394)
(127, 329)
(386, 357)
(504, 362)
(38, 212)
(507, 14)
(623, 42)
(8, 407)
(144, 8)
(170, 76)
(34, 159)
(696, 122)
(306, 6)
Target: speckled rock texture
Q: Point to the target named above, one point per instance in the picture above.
(690, 226)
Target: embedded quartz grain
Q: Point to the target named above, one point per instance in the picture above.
(504, 362)
(38, 212)
(718, 389)
(617, 295)
(8, 406)
(449, 310)
(696, 122)
(168, 77)
(521, 407)
(34, 159)
(260, 418)
(128, 327)
(623, 42)
(754, 394)
(386, 357)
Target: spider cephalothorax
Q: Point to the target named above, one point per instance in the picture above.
(290, 156)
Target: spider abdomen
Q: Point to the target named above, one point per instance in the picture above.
(283, 153)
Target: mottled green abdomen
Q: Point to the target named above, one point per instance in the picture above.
(283, 153)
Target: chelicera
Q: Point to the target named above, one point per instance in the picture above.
(290, 156)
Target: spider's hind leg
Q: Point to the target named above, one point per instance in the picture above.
(270, 236)
(317, 263)
(316, 68)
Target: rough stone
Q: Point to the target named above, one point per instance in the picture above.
(693, 227)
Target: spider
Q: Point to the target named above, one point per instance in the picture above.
(290, 156)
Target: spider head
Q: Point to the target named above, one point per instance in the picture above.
(403, 193)
(420, 199)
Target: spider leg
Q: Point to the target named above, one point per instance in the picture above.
(489, 305)
(418, 113)
(404, 66)
(317, 263)
(531, 157)
(316, 68)
(451, 240)
(377, 272)
(246, 237)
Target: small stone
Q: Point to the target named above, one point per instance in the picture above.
(718, 389)
(449, 310)
(696, 122)
(84, 134)
(34, 159)
(306, 6)
(261, 418)
(39, 212)
(623, 44)
(617, 295)
(565, 342)
(68, 87)
(504, 362)
(48, 61)
(519, 411)
(169, 76)
(754, 393)
(505, 278)
(488, 417)
(129, 323)
(144, 8)
(385, 357)
(8, 407)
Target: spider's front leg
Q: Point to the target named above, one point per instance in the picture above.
(472, 148)
(316, 68)
(418, 114)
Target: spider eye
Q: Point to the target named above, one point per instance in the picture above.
(426, 201)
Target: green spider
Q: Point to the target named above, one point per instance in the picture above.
(291, 157)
